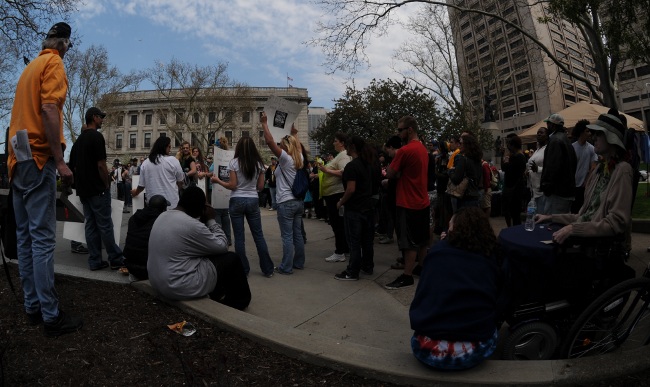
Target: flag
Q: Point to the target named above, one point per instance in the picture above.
(289, 78)
(290, 85)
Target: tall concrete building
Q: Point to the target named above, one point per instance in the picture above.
(316, 117)
(634, 91)
(136, 119)
(495, 60)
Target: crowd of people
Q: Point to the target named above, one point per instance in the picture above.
(405, 192)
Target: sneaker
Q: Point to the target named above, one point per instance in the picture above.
(397, 265)
(63, 324)
(101, 266)
(336, 258)
(269, 275)
(279, 271)
(386, 240)
(34, 318)
(79, 250)
(403, 281)
(367, 271)
(271, 209)
(118, 263)
(346, 276)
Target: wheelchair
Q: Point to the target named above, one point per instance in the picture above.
(589, 303)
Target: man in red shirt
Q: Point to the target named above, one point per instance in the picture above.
(412, 215)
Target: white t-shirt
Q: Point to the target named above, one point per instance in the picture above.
(285, 173)
(535, 178)
(162, 178)
(245, 188)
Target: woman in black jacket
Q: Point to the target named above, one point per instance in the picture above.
(514, 167)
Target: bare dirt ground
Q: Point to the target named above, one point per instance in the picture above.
(125, 341)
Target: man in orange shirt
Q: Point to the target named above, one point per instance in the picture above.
(35, 155)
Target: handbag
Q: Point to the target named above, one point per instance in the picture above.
(457, 190)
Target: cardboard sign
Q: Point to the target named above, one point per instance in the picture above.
(75, 231)
(220, 195)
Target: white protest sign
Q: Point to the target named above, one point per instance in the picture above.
(138, 201)
(76, 231)
(280, 114)
(220, 195)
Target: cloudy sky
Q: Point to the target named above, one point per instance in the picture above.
(262, 42)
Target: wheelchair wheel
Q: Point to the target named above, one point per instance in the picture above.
(617, 320)
(531, 341)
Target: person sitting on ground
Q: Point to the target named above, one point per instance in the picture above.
(608, 191)
(454, 310)
(189, 258)
(136, 247)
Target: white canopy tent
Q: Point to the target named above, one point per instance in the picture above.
(573, 114)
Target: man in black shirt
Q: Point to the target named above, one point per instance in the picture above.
(88, 163)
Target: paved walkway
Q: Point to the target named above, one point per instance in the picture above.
(357, 325)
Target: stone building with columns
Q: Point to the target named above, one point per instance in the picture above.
(136, 119)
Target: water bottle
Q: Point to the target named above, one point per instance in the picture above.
(341, 211)
(531, 210)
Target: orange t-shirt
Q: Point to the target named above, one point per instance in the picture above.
(42, 82)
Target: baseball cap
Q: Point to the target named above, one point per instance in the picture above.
(612, 127)
(93, 111)
(555, 119)
(60, 30)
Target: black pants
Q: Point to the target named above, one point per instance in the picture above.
(337, 223)
(232, 285)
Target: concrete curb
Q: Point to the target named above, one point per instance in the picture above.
(401, 367)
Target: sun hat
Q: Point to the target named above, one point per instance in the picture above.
(612, 127)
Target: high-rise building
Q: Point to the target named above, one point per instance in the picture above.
(316, 117)
(136, 119)
(496, 60)
(634, 91)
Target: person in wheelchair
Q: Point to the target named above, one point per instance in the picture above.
(454, 310)
(605, 216)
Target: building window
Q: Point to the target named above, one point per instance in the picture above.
(194, 141)
(228, 115)
(525, 98)
(179, 117)
(134, 119)
(643, 70)
(147, 140)
(162, 134)
(118, 141)
(212, 117)
(570, 98)
(195, 118)
(178, 139)
(467, 36)
(262, 140)
(148, 118)
(163, 119)
(246, 117)
(132, 140)
(228, 135)
(120, 120)
(245, 133)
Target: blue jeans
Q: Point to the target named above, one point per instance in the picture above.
(293, 246)
(222, 216)
(99, 228)
(249, 207)
(34, 200)
(360, 232)
(274, 204)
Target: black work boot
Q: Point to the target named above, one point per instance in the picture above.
(63, 324)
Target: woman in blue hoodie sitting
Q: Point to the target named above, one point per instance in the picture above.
(454, 309)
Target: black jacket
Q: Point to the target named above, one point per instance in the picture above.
(559, 173)
(136, 246)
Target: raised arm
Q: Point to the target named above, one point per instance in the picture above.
(277, 151)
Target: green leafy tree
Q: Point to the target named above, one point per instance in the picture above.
(372, 113)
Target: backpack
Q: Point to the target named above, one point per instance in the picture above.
(300, 184)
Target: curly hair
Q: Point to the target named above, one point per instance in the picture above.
(472, 232)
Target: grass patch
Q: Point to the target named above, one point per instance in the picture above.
(641, 209)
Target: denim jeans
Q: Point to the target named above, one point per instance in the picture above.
(274, 204)
(222, 216)
(293, 246)
(360, 234)
(99, 228)
(338, 226)
(34, 200)
(128, 199)
(249, 208)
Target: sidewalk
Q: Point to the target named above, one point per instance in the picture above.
(358, 325)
